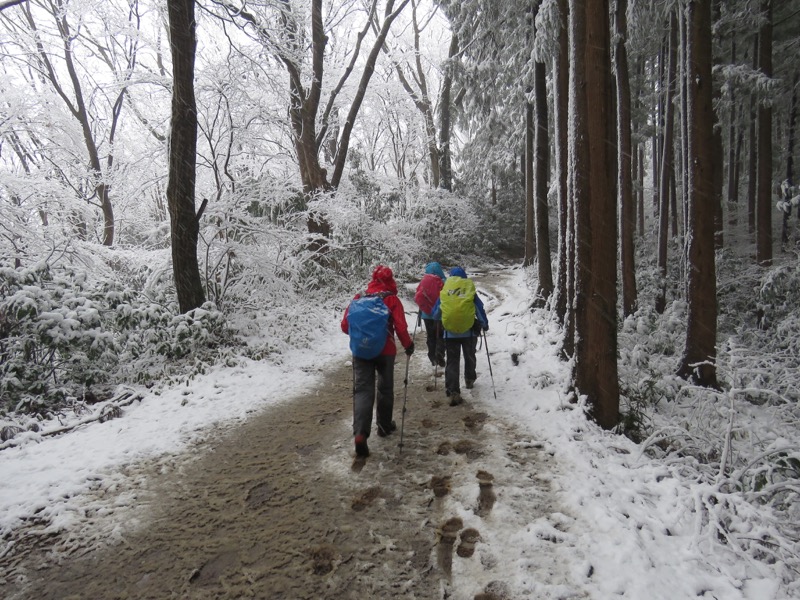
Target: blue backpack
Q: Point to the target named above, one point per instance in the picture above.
(368, 325)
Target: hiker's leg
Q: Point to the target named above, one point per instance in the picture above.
(470, 359)
(452, 370)
(430, 339)
(385, 405)
(363, 395)
(440, 351)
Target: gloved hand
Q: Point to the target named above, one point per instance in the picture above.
(485, 327)
(410, 349)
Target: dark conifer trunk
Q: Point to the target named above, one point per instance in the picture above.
(625, 154)
(699, 358)
(666, 163)
(541, 173)
(560, 105)
(593, 164)
(764, 195)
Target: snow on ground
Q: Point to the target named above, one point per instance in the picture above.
(632, 524)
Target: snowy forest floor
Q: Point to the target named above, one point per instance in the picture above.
(515, 498)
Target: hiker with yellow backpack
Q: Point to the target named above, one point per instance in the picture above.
(463, 318)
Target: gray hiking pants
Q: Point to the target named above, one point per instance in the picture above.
(452, 373)
(366, 373)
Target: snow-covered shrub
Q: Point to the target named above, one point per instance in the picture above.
(62, 333)
(403, 225)
(53, 337)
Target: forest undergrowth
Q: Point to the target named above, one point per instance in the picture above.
(736, 446)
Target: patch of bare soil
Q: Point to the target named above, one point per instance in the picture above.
(275, 508)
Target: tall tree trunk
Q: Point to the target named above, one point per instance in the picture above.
(541, 172)
(752, 157)
(684, 121)
(530, 220)
(565, 223)
(718, 151)
(625, 151)
(640, 190)
(790, 160)
(182, 157)
(446, 167)
(666, 163)
(593, 161)
(764, 197)
(698, 362)
(733, 169)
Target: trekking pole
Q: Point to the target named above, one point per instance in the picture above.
(489, 360)
(405, 386)
(436, 358)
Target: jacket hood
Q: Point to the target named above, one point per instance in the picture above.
(434, 268)
(382, 281)
(458, 272)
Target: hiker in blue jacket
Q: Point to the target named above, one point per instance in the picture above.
(460, 337)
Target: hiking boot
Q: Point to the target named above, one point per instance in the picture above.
(384, 432)
(470, 384)
(455, 399)
(361, 445)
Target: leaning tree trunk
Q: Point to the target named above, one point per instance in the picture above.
(699, 358)
(592, 158)
(182, 157)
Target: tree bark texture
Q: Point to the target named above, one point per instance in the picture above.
(185, 228)
(625, 154)
(530, 197)
(764, 193)
(540, 175)
(446, 166)
(592, 149)
(667, 153)
(564, 273)
(699, 358)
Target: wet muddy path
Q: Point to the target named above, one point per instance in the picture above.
(277, 508)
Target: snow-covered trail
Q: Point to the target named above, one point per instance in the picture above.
(276, 508)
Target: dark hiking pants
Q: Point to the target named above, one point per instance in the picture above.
(452, 375)
(366, 374)
(435, 340)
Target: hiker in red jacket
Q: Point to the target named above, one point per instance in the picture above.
(365, 370)
(426, 296)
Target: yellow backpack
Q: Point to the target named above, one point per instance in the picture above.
(458, 304)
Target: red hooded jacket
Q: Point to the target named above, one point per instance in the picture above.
(383, 281)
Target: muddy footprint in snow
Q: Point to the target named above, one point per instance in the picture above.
(486, 495)
(447, 534)
(466, 546)
(322, 558)
(440, 484)
(474, 421)
(365, 498)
